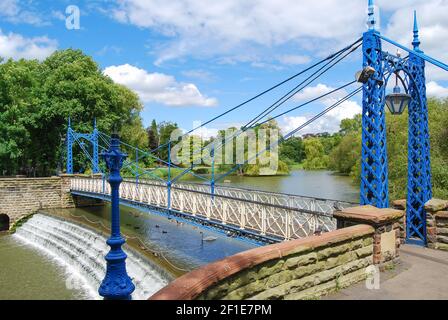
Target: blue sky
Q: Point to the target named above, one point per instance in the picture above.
(190, 60)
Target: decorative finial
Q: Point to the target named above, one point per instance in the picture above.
(416, 41)
(69, 122)
(371, 13)
(94, 123)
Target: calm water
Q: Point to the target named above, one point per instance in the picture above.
(30, 274)
(323, 184)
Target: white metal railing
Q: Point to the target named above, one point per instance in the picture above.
(269, 214)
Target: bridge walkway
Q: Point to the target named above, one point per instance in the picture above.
(422, 274)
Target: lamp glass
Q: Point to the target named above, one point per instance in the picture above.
(397, 102)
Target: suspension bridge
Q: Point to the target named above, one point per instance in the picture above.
(268, 216)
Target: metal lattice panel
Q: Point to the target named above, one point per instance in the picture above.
(374, 175)
(242, 212)
(419, 163)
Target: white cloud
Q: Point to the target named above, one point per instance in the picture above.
(435, 90)
(13, 11)
(202, 75)
(231, 27)
(251, 30)
(9, 8)
(331, 121)
(159, 87)
(433, 27)
(16, 46)
(290, 59)
(313, 92)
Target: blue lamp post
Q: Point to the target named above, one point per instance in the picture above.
(117, 285)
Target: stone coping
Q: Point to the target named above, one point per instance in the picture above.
(435, 205)
(31, 179)
(192, 284)
(400, 204)
(369, 214)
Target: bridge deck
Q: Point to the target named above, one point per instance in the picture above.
(271, 215)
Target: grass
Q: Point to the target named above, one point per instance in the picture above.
(296, 166)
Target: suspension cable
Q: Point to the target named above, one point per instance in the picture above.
(332, 59)
(331, 56)
(288, 96)
(290, 134)
(304, 84)
(306, 103)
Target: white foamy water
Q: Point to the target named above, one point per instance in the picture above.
(81, 251)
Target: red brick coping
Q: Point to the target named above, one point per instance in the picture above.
(191, 285)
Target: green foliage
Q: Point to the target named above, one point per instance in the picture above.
(315, 154)
(36, 99)
(345, 157)
(153, 135)
(165, 129)
(292, 150)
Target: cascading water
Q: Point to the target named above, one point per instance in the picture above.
(81, 251)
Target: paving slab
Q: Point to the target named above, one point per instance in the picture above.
(422, 274)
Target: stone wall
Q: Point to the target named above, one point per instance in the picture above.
(298, 269)
(437, 224)
(20, 197)
(388, 225)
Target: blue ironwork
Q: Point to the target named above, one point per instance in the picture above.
(212, 180)
(92, 138)
(96, 168)
(69, 148)
(117, 285)
(419, 54)
(374, 172)
(371, 15)
(169, 182)
(137, 176)
(419, 189)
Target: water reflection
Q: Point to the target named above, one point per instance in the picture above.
(319, 184)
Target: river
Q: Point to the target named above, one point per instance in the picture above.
(30, 274)
(319, 184)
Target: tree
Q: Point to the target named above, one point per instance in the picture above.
(315, 154)
(351, 125)
(165, 130)
(292, 150)
(153, 135)
(343, 158)
(36, 99)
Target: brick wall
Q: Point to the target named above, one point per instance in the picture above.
(20, 197)
(298, 269)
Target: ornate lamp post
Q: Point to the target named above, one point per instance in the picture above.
(117, 285)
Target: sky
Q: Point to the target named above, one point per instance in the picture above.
(191, 60)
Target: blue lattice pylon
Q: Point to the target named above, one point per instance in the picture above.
(95, 149)
(374, 173)
(419, 189)
(69, 148)
(73, 136)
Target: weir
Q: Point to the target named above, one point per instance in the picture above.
(81, 251)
